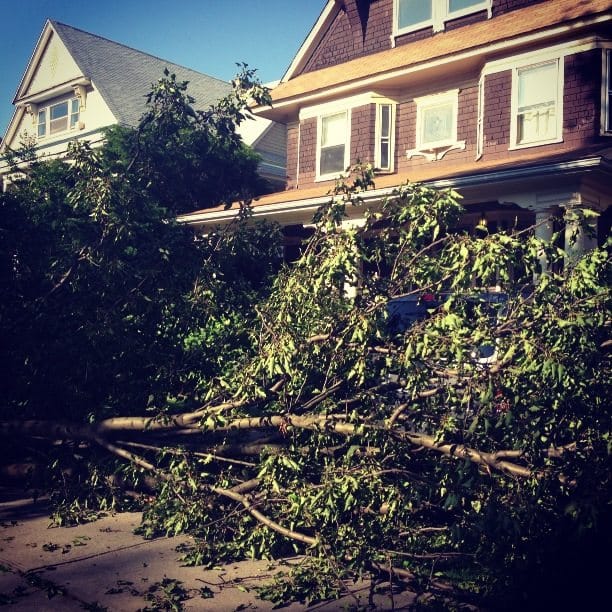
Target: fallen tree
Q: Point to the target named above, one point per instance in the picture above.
(370, 447)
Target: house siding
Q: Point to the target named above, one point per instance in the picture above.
(292, 154)
(340, 43)
(505, 6)
(582, 98)
(363, 130)
(453, 24)
(497, 101)
(581, 115)
(308, 152)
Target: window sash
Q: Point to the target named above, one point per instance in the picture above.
(437, 120)
(384, 144)
(332, 149)
(42, 123)
(437, 123)
(537, 103)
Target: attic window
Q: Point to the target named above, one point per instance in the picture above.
(58, 118)
(411, 15)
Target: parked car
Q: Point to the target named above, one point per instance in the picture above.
(403, 312)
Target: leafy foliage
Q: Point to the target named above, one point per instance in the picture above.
(110, 304)
(297, 418)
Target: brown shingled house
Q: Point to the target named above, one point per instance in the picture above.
(508, 101)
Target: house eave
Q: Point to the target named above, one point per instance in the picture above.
(53, 92)
(300, 207)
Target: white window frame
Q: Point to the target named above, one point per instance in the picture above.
(425, 103)
(514, 111)
(436, 149)
(606, 93)
(347, 144)
(380, 138)
(440, 14)
(72, 118)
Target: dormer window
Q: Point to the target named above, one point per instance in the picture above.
(411, 15)
(57, 118)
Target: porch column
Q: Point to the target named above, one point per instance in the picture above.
(580, 233)
(543, 231)
(352, 285)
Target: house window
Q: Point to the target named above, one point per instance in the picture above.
(385, 125)
(606, 101)
(536, 102)
(58, 118)
(413, 15)
(437, 120)
(436, 126)
(333, 145)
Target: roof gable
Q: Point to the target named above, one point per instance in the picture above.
(54, 65)
(124, 76)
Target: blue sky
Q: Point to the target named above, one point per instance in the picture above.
(207, 35)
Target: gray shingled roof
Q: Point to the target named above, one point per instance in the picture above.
(124, 75)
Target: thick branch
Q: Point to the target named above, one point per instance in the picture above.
(262, 518)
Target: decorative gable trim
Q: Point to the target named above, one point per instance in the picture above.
(39, 49)
(77, 86)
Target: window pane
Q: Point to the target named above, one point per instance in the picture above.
(59, 110)
(74, 112)
(332, 160)
(42, 123)
(385, 120)
(537, 85)
(537, 124)
(437, 123)
(58, 125)
(458, 5)
(384, 155)
(333, 129)
(411, 12)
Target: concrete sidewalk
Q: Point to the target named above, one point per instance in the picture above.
(104, 566)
